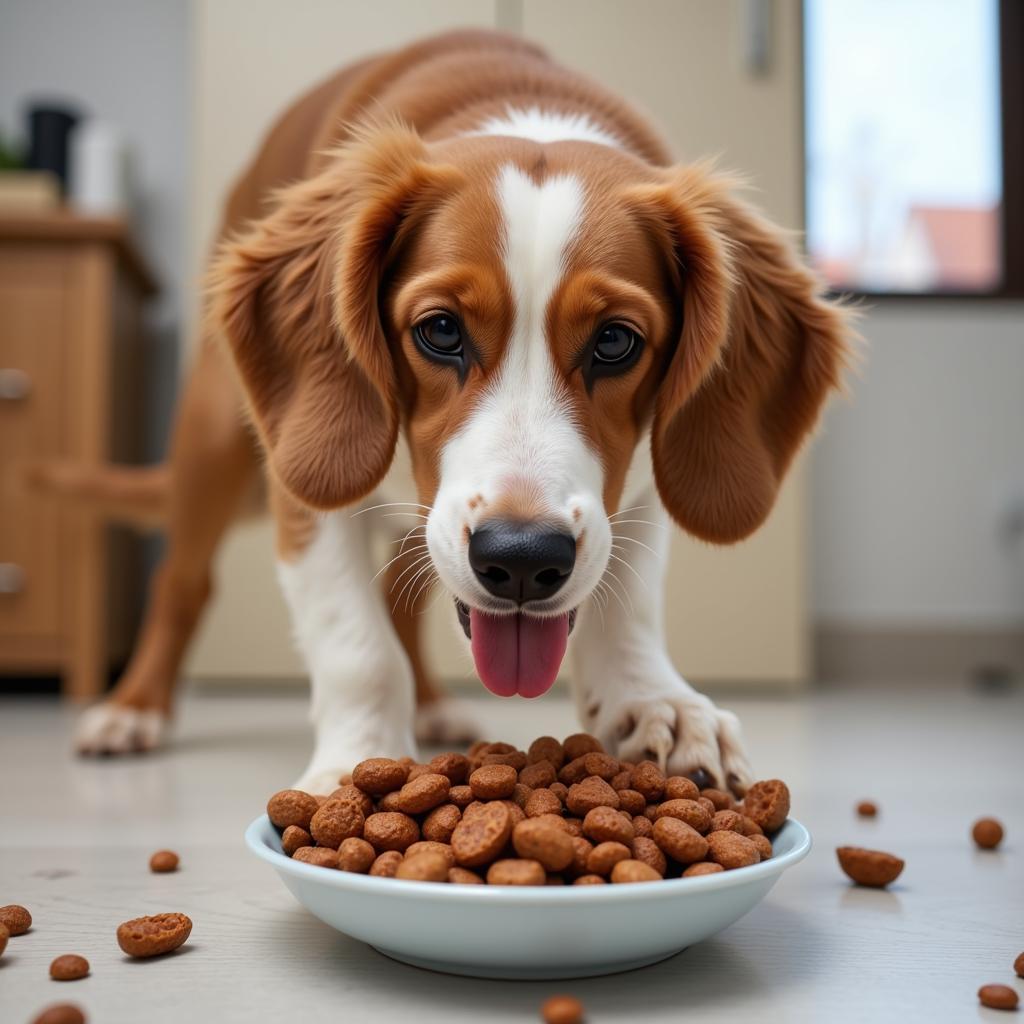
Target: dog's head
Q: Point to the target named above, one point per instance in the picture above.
(526, 314)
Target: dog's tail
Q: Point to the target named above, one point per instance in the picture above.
(136, 496)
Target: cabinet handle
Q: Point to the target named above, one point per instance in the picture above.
(14, 385)
(12, 578)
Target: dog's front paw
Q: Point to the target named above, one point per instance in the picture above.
(446, 722)
(112, 728)
(679, 729)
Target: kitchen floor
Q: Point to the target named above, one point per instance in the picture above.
(75, 838)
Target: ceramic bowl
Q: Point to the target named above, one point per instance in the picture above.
(530, 933)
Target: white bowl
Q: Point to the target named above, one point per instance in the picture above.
(529, 933)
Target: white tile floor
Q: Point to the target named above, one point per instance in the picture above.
(75, 837)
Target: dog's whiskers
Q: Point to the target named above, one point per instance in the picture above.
(409, 568)
(628, 566)
(393, 504)
(643, 522)
(623, 536)
(401, 553)
(632, 508)
(411, 582)
(615, 592)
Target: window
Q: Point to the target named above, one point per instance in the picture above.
(907, 145)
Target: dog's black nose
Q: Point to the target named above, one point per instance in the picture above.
(521, 562)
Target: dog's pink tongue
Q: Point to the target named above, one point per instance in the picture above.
(517, 653)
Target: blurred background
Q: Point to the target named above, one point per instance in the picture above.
(891, 132)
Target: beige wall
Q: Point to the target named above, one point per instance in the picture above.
(737, 614)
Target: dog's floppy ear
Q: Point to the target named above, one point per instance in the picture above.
(759, 352)
(296, 299)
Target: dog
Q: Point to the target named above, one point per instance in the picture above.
(467, 245)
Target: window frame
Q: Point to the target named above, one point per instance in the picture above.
(1011, 91)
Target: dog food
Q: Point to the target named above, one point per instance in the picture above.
(867, 809)
(869, 867)
(60, 1013)
(998, 997)
(562, 1010)
(163, 861)
(69, 967)
(557, 813)
(17, 919)
(154, 936)
(4, 936)
(1018, 965)
(987, 833)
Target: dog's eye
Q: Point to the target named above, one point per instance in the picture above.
(440, 335)
(615, 344)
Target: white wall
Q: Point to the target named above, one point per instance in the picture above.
(911, 477)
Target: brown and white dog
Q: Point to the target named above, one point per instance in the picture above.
(495, 258)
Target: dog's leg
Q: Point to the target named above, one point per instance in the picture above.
(441, 720)
(361, 678)
(212, 463)
(626, 689)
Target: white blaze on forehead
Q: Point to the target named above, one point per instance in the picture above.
(547, 126)
(523, 424)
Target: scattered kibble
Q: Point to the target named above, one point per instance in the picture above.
(69, 967)
(562, 1010)
(998, 997)
(987, 833)
(163, 861)
(867, 809)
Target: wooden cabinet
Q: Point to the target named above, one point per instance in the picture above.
(70, 294)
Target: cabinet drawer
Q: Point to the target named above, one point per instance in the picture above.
(32, 425)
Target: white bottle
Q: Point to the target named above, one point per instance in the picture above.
(98, 172)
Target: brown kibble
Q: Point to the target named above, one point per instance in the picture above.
(590, 793)
(603, 857)
(440, 823)
(631, 801)
(463, 876)
(998, 997)
(334, 821)
(869, 867)
(416, 770)
(867, 809)
(679, 841)
(516, 872)
(425, 866)
(604, 766)
(650, 853)
(538, 774)
(749, 827)
(454, 767)
(626, 871)
(423, 793)
(390, 802)
(461, 796)
(764, 846)
(649, 780)
(16, 918)
(69, 967)
(60, 1013)
(429, 846)
(546, 748)
(291, 807)
(294, 838)
(580, 743)
(707, 805)
(390, 830)
(603, 825)
(319, 856)
(520, 795)
(590, 880)
(479, 839)
(560, 789)
(573, 771)
(623, 780)
(542, 801)
(516, 813)
(5, 934)
(493, 782)
(562, 1010)
(153, 936)
(580, 854)
(167, 860)
(694, 813)
(386, 864)
(721, 800)
(552, 847)
(1018, 965)
(727, 821)
(987, 833)
(678, 787)
(355, 796)
(732, 850)
(767, 803)
(704, 867)
(379, 775)
(356, 855)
